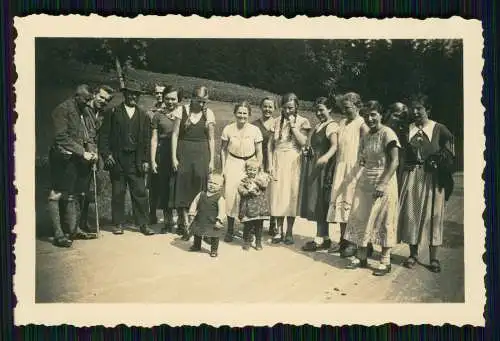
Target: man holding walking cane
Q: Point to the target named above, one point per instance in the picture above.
(70, 162)
(92, 120)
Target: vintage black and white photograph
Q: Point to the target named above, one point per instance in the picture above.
(263, 170)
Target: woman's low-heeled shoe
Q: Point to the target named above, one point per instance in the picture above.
(361, 263)
(382, 271)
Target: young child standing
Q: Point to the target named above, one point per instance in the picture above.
(254, 203)
(206, 215)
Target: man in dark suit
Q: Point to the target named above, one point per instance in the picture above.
(124, 144)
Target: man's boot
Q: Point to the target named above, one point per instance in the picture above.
(60, 239)
(84, 214)
(71, 218)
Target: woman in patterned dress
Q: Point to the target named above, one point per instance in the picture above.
(347, 170)
(427, 183)
(265, 123)
(241, 141)
(374, 213)
(162, 126)
(285, 148)
(193, 152)
(317, 173)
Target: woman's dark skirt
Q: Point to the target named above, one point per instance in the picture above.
(192, 174)
(162, 182)
(315, 188)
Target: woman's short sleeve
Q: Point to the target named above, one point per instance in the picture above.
(210, 116)
(257, 134)
(155, 121)
(225, 133)
(331, 128)
(303, 123)
(391, 137)
(177, 113)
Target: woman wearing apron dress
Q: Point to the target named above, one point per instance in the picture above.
(265, 124)
(317, 173)
(162, 126)
(193, 147)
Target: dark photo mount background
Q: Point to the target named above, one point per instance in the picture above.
(481, 10)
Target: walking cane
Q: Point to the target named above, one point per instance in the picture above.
(94, 171)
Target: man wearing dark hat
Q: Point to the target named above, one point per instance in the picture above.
(70, 160)
(125, 147)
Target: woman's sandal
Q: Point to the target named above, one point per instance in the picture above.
(410, 262)
(382, 270)
(213, 254)
(277, 239)
(435, 266)
(356, 263)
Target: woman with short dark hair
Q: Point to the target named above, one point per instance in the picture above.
(162, 127)
(427, 182)
(317, 172)
(374, 213)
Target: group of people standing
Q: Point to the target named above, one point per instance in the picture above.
(383, 178)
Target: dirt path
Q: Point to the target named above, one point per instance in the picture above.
(138, 269)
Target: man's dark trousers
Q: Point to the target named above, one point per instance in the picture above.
(127, 174)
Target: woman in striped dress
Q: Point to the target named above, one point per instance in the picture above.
(427, 183)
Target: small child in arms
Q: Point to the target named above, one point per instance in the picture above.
(254, 203)
(207, 214)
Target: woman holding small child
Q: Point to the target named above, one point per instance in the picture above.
(241, 141)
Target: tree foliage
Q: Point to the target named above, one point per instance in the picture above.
(385, 70)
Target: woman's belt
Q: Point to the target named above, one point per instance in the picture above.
(242, 157)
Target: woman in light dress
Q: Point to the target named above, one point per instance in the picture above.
(317, 173)
(241, 141)
(374, 213)
(347, 169)
(427, 183)
(265, 123)
(285, 148)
